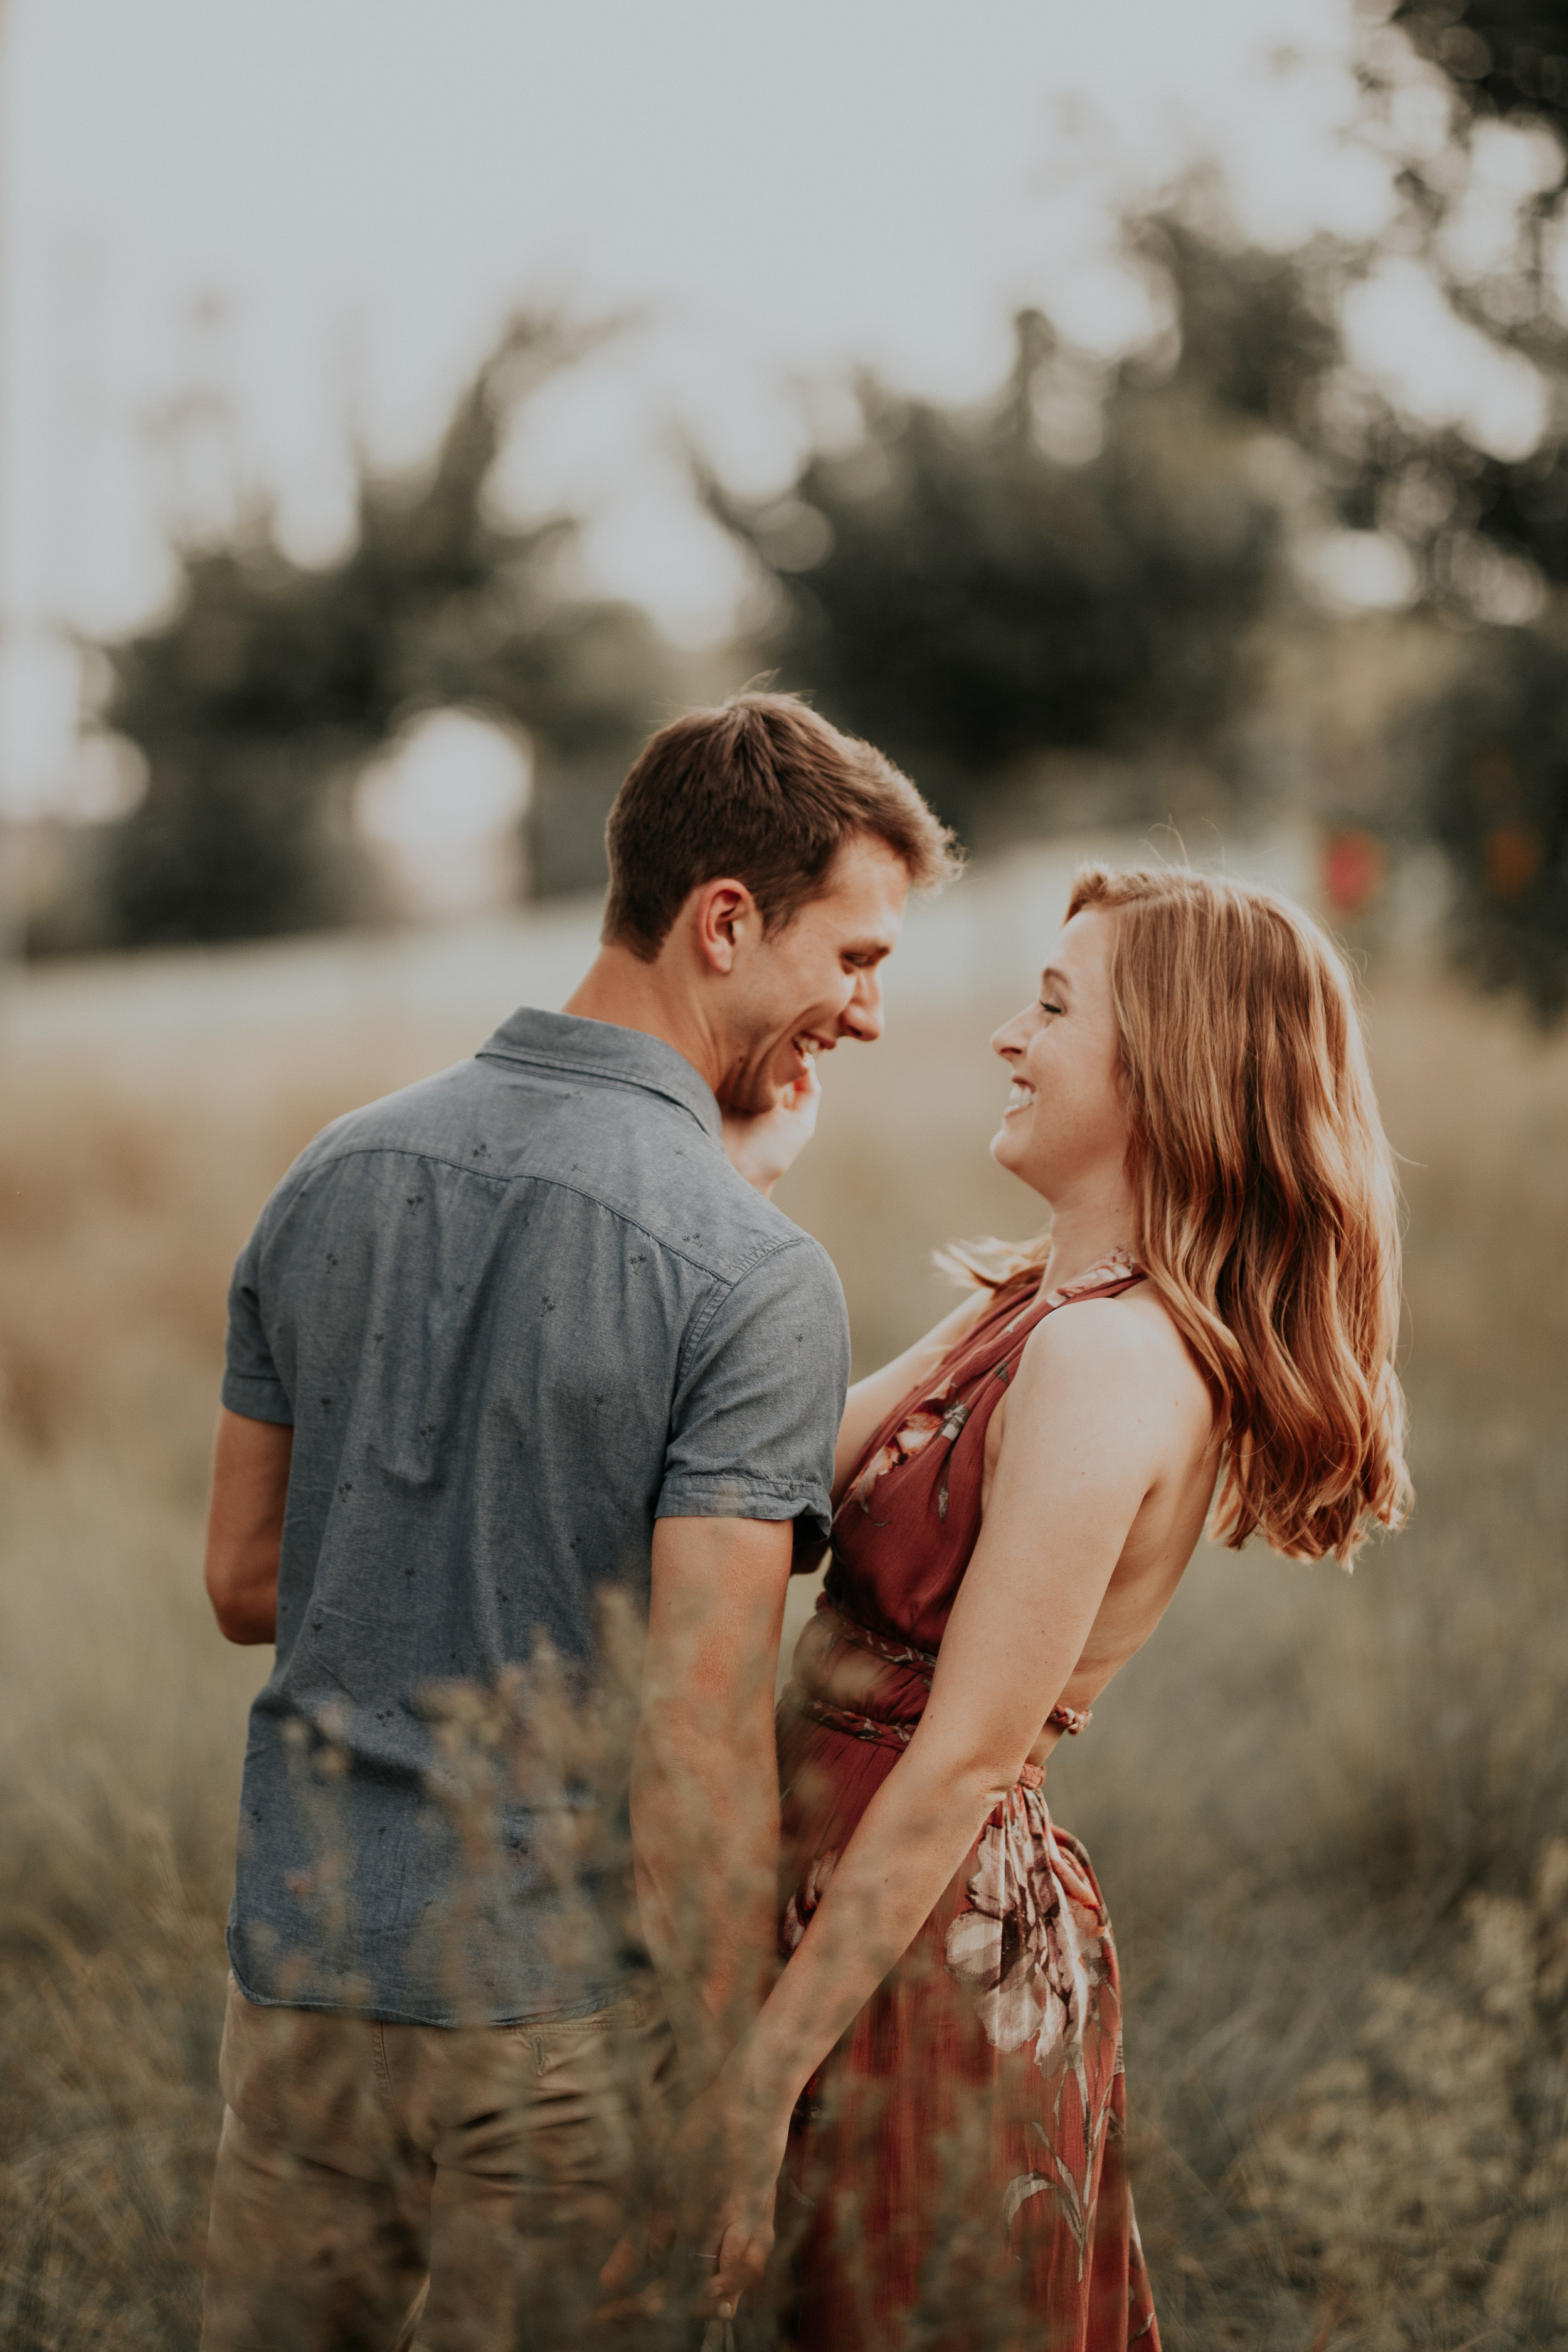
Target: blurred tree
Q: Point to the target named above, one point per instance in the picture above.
(1489, 532)
(1503, 62)
(257, 701)
(1080, 565)
(1493, 756)
(1508, 58)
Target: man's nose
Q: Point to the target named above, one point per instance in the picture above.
(863, 1016)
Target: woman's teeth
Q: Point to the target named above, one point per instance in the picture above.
(1019, 1094)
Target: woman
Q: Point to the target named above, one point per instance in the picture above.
(938, 2070)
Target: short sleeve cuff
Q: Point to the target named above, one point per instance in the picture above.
(729, 1494)
(256, 1396)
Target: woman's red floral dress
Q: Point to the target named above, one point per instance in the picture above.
(957, 2170)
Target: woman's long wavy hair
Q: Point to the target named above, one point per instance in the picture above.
(1267, 1201)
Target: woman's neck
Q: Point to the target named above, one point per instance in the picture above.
(1086, 1231)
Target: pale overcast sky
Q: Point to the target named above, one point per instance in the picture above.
(777, 193)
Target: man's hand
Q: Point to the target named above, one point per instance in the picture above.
(763, 1144)
(723, 2166)
(710, 2231)
(705, 1791)
(244, 1525)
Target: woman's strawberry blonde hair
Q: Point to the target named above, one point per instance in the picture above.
(1267, 1201)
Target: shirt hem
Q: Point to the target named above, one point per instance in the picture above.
(717, 1499)
(271, 1404)
(385, 2013)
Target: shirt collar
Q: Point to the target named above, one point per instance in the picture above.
(599, 1049)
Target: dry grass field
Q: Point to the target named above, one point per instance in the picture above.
(1331, 1814)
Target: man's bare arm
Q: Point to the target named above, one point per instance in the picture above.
(705, 1803)
(244, 1525)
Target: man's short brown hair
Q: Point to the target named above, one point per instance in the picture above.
(765, 791)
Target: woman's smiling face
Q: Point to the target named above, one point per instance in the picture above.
(1065, 1118)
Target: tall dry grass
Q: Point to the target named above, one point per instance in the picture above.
(1329, 1814)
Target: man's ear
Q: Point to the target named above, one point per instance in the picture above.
(723, 913)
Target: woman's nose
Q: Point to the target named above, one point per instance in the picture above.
(1013, 1038)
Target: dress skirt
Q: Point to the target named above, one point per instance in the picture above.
(956, 2176)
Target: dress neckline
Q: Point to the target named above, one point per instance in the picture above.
(1118, 1265)
(942, 1405)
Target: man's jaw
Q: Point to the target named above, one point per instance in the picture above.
(804, 1049)
(756, 1086)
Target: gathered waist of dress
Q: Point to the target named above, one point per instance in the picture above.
(888, 1731)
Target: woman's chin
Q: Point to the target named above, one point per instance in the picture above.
(1010, 1151)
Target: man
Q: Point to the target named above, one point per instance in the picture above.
(519, 1336)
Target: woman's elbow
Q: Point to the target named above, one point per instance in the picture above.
(971, 1779)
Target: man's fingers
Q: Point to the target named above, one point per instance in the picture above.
(807, 1091)
(627, 2257)
(647, 2303)
(636, 2251)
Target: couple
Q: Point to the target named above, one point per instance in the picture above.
(532, 1331)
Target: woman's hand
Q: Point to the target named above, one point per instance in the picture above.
(763, 1144)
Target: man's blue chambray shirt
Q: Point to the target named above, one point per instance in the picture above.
(514, 1314)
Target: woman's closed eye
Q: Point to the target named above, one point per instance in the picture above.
(1048, 1005)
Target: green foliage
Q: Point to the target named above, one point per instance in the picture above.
(1489, 534)
(1505, 62)
(1506, 59)
(967, 592)
(270, 684)
(1492, 761)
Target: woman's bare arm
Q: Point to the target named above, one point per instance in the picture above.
(1092, 1420)
(870, 1400)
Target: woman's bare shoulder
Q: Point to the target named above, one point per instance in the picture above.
(1168, 1343)
(1131, 1340)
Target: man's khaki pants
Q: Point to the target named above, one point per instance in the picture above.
(361, 2164)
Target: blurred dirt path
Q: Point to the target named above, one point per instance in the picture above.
(987, 935)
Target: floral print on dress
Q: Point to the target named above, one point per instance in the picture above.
(1029, 1952)
(1031, 1955)
(928, 1420)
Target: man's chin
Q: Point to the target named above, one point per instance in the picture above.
(780, 1076)
(754, 1095)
